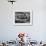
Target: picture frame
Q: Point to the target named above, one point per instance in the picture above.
(23, 18)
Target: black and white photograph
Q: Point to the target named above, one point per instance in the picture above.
(23, 18)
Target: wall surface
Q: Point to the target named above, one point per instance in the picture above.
(8, 30)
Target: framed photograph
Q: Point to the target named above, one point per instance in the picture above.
(23, 18)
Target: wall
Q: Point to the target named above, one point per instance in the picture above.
(9, 31)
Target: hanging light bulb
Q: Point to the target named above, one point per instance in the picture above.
(12, 1)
